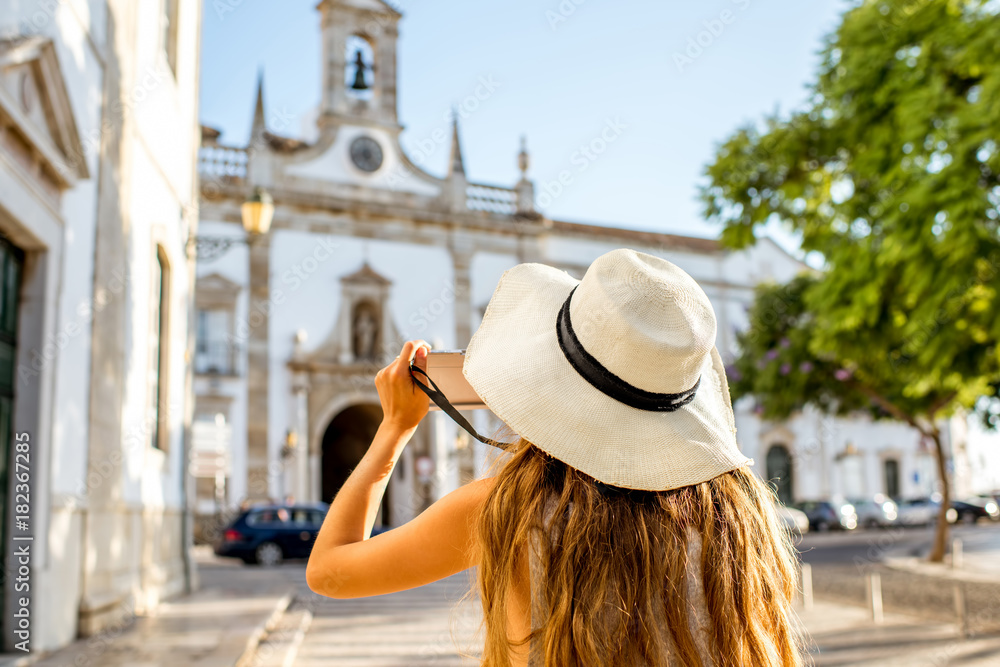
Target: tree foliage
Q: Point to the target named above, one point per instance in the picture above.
(891, 177)
(778, 366)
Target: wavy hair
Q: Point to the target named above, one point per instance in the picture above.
(615, 571)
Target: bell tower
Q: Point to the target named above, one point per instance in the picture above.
(359, 62)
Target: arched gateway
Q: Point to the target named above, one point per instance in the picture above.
(344, 444)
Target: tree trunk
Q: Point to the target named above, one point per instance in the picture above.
(941, 530)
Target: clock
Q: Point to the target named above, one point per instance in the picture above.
(366, 154)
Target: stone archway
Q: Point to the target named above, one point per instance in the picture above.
(344, 443)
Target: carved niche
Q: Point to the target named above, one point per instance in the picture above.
(364, 332)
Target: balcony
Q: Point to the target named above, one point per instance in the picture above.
(220, 358)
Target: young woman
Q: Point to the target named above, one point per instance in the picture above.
(624, 526)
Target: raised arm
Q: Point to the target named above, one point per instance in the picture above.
(345, 562)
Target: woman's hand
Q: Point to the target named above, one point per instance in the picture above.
(403, 403)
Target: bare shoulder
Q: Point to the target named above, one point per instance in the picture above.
(470, 497)
(479, 488)
(459, 508)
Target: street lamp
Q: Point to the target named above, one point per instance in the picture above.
(257, 213)
(289, 445)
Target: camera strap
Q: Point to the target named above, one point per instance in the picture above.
(442, 402)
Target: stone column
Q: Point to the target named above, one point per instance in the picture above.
(302, 488)
(258, 319)
(385, 71)
(461, 260)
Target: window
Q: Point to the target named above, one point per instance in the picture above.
(168, 21)
(268, 517)
(158, 348)
(214, 353)
(307, 517)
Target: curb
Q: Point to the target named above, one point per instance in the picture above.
(940, 570)
(262, 630)
(300, 636)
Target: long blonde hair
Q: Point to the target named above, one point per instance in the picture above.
(626, 551)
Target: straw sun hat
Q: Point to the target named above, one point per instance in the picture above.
(616, 375)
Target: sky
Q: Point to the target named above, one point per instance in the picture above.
(652, 88)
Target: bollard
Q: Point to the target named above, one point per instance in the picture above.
(956, 553)
(961, 611)
(875, 597)
(807, 586)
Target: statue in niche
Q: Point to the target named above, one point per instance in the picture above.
(365, 332)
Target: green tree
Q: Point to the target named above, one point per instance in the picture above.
(891, 179)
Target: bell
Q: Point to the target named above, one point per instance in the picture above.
(359, 72)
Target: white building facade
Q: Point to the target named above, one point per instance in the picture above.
(98, 183)
(367, 250)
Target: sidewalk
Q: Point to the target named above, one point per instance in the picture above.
(845, 635)
(213, 627)
(243, 619)
(974, 566)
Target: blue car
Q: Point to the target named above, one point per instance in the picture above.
(269, 534)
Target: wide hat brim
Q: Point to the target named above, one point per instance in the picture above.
(515, 364)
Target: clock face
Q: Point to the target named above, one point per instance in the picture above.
(366, 154)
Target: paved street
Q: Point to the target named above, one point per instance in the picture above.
(841, 562)
(838, 547)
(239, 606)
(422, 626)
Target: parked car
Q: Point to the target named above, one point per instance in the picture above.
(918, 511)
(973, 509)
(269, 534)
(876, 512)
(794, 521)
(826, 515)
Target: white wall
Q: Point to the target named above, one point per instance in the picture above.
(164, 105)
(78, 36)
(421, 276)
(306, 294)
